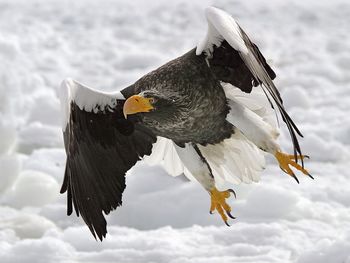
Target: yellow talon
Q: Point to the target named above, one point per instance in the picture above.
(287, 160)
(219, 204)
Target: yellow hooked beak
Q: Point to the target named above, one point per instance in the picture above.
(137, 103)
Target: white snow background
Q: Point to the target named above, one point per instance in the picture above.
(110, 44)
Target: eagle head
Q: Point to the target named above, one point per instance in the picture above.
(151, 102)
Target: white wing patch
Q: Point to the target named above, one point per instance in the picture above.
(221, 26)
(86, 98)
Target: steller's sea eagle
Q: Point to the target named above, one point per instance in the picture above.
(198, 114)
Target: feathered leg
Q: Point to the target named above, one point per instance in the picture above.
(199, 168)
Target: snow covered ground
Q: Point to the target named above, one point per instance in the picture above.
(109, 44)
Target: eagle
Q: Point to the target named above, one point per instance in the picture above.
(197, 115)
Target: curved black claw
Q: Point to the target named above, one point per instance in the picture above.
(292, 174)
(229, 214)
(310, 176)
(227, 224)
(285, 171)
(296, 178)
(234, 193)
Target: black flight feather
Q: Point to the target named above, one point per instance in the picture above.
(101, 147)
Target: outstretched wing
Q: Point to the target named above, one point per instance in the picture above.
(234, 59)
(101, 146)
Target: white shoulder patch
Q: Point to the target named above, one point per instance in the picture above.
(86, 98)
(221, 26)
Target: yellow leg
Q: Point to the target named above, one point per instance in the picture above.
(218, 203)
(287, 160)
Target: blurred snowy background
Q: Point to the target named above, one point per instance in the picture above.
(110, 44)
